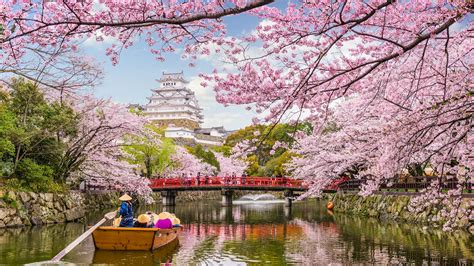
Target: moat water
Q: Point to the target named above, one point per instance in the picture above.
(255, 234)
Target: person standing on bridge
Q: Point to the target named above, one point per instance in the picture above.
(198, 178)
(183, 178)
(189, 179)
(243, 178)
(234, 178)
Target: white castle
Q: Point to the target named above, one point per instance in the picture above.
(174, 106)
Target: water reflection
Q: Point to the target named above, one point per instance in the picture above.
(39, 243)
(164, 255)
(254, 234)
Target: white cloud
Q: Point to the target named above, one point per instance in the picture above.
(106, 40)
(215, 114)
(205, 95)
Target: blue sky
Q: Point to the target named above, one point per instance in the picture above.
(132, 79)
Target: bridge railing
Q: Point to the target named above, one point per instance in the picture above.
(217, 181)
(415, 185)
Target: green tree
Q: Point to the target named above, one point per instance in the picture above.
(7, 148)
(32, 134)
(276, 166)
(152, 151)
(206, 156)
(266, 160)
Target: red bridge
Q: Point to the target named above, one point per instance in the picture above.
(169, 187)
(217, 183)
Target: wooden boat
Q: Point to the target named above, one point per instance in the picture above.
(124, 238)
(145, 257)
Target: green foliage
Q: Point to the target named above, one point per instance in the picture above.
(32, 134)
(205, 155)
(253, 167)
(9, 201)
(7, 127)
(35, 176)
(6, 167)
(12, 184)
(275, 166)
(263, 161)
(152, 151)
(225, 150)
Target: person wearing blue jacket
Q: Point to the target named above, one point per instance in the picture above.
(126, 211)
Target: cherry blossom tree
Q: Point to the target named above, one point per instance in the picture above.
(96, 154)
(186, 163)
(163, 24)
(374, 147)
(229, 165)
(61, 69)
(405, 66)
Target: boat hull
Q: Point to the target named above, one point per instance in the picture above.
(124, 238)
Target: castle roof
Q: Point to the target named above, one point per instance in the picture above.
(178, 76)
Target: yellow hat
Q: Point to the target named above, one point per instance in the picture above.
(143, 218)
(125, 197)
(176, 221)
(164, 215)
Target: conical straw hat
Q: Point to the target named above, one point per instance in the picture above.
(143, 218)
(164, 215)
(176, 221)
(125, 197)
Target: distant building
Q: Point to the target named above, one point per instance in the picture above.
(174, 106)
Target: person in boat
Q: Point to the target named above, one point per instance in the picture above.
(166, 220)
(153, 218)
(126, 211)
(143, 221)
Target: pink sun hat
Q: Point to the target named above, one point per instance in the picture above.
(164, 224)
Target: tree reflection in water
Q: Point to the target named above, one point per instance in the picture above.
(256, 234)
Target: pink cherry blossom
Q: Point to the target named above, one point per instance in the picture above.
(230, 165)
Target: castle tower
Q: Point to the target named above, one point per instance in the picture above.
(174, 105)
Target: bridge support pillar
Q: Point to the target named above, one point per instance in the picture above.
(227, 197)
(288, 198)
(169, 197)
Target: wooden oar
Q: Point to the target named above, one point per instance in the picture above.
(78, 240)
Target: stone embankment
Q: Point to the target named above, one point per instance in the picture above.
(29, 208)
(389, 207)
